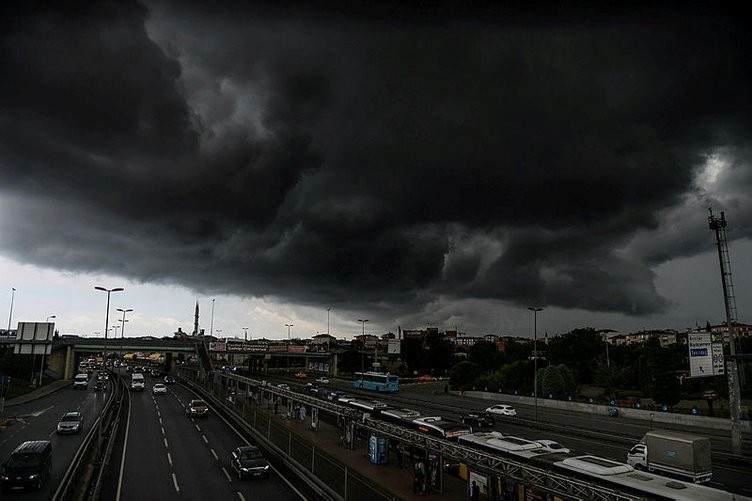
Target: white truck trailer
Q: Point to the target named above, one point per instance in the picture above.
(673, 453)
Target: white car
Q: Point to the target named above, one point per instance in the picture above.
(553, 446)
(502, 410)
(322, 380)
(159, 389)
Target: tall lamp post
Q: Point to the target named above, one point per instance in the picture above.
(107, 315)
(246, 333)
(44, 350)
(288, 332)
(535, 358)
(362, 348)
(327, 323)
(10, 315)
(122, 328)
(211, 327)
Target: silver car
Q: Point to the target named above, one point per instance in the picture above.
(71, 422)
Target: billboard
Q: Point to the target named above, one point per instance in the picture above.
(34, 338)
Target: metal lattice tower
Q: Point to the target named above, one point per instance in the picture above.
(719, 226)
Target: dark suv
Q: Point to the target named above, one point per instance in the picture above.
(479, 419)
(28, 466)
(248, 462)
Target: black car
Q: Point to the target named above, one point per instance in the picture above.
(28, 466)
(100, 386)
(479, 419)
(248, 462)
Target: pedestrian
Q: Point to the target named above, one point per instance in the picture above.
(417, 479)
(422, 483)
(302, 413)
(474, 492)
(400, 452)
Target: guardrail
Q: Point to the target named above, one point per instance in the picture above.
(82, 479)
(322, 474)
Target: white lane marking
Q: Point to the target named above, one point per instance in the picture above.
(165, 444)
(206, 440)
(175, 482)
(162, 428)
(240, 496)
(169, 458)
(198, 428)
(214, 454)
(224, 470)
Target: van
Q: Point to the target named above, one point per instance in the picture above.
(137, 382)
(81, 381)
(28, 466)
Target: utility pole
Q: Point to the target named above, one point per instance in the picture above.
(732, 367)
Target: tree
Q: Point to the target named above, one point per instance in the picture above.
(485, 354)
(464, 374)
(551, 381)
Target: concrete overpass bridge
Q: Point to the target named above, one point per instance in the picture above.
(68, 351)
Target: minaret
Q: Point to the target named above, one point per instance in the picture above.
(195, 322)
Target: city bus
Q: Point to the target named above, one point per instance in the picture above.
(376, 381)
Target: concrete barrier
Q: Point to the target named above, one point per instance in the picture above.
(627, 412)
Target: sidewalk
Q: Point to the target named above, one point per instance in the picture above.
(398, 481)
(40, 392)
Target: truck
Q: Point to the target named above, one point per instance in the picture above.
(674, 454)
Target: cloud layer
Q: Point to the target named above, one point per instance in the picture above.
(373, 158)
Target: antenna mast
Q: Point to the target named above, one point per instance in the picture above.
(719, 226)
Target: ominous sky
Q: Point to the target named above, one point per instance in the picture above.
(445, 166)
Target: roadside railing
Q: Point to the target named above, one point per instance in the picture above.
(322, 473)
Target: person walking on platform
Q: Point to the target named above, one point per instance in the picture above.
(474, 492)
(417, 479)
(400, 452)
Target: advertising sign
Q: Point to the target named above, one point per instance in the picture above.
(34, 338)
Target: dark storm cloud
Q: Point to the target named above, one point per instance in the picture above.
(365, 156)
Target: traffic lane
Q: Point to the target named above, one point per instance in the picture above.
(37, 420)
(147, 473)
(733, 479)
(219, 436)
(189, 450)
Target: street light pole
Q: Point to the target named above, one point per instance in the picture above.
(535, 358)
(246, 333)
(10, 315)
(44, 350)
(211, 327)
(288, 332)
(107, 315)
(362, 349)
(327, 323)
(122, 329)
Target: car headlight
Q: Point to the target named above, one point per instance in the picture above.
(34, 476)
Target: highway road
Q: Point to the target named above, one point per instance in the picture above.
(599, 435)
(37, 420)
(167, 454)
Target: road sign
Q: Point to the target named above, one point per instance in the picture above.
(706, 354)
(700, 355)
